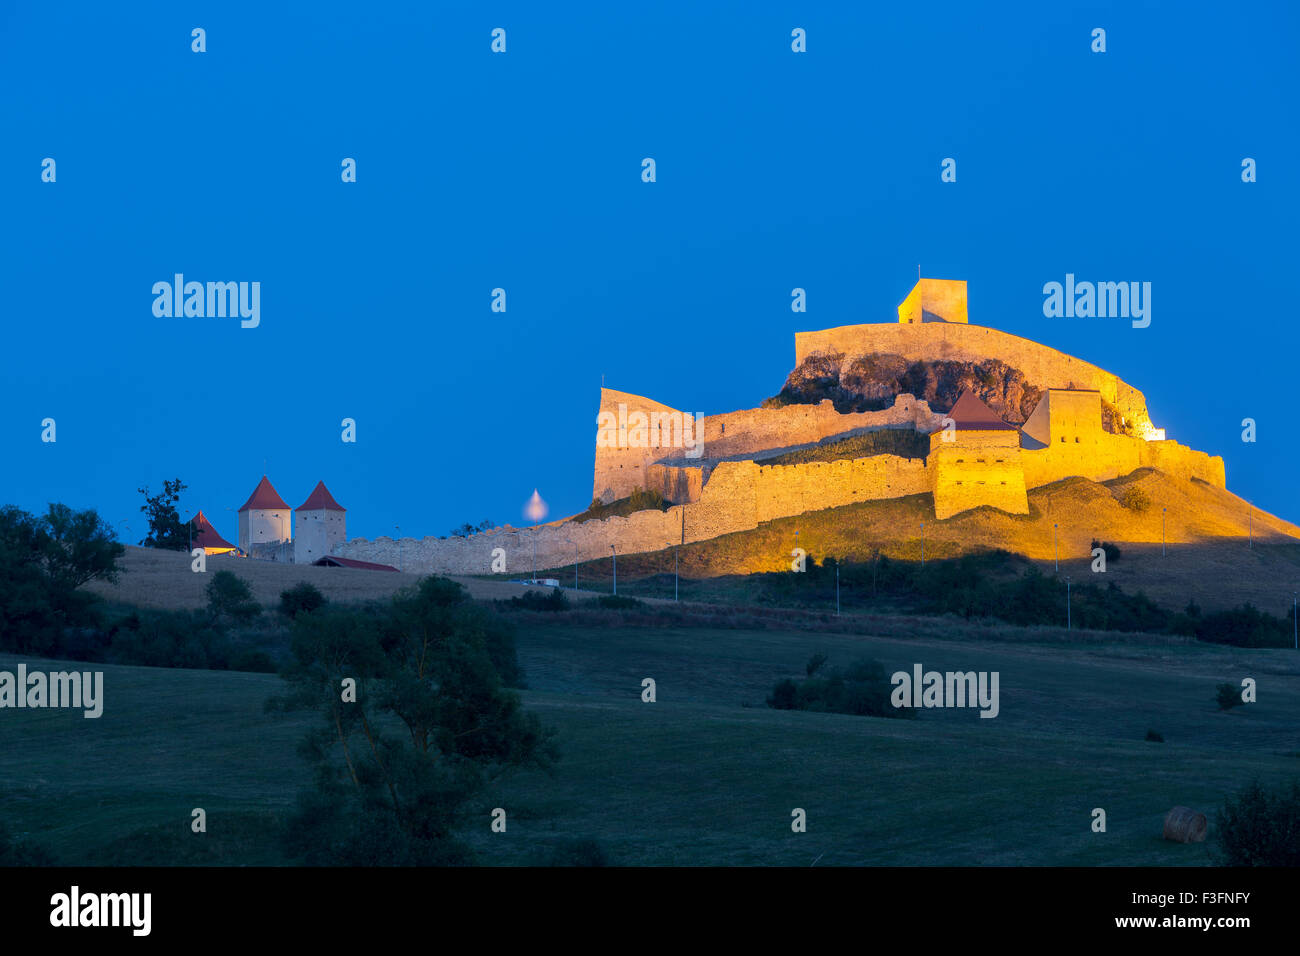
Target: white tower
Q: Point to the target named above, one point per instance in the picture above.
(322, 523)
(265, 523)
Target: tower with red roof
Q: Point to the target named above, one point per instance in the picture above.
(265, 522)
(322, 523)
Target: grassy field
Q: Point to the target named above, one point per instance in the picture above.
(707, 774)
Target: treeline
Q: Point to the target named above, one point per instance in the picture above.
(1006, 587)
(45, 612)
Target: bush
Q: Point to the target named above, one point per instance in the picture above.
(230, 598)
(861, 689)
(1135, 499)
(617, 602)
(1111, 550)
(1244, 626)
(557, 600)
(1155, 737)
(1260, 827)
(302, 597)
(1229, 696)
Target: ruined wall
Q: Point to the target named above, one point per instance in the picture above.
(737, 496)
(624, 455)
(678, 484)
(620, 470)
(764, 429)
(1043, 366)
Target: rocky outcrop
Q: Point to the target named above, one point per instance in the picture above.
(868, 382)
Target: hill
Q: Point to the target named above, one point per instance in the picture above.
(1219, 549)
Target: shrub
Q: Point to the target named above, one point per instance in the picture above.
(814, 663)
(618, 602)
(1155, 737)
(302, 597)
(785, 695)
(1135, 499)
(535, 601)
(1229, 696)
(1260, 827)
(1111, 550)
(861, 689)
(229, 597)
(1244, 626)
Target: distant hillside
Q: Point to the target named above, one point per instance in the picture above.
(871, 382)
(1209, 531)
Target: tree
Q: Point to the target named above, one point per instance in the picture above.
(467, 529)
(166, 530)
(1260, 827)
(303, 597)
(427, 664)
(231, 599)
(43, 564)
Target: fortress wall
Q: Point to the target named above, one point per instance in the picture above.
(783, 490)
(762, 429)
(622, 468)
(1043, 366)
(678, 484)
(980, 468)
(1103, 456)
(1184, 462)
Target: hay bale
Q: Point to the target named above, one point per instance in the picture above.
(1185, 826)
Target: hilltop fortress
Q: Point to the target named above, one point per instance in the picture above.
(718, 473)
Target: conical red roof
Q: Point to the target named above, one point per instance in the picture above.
(264, 496)
(206, 536)
(320, 500)
(973, 415)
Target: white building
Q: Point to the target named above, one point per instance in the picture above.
(265, 521)
(322, 523)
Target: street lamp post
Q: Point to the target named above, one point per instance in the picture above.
(1067, 603)
(534, 537)
(837, 589)
(1295, 622)
(1055, 550)
(615, 554)
(922, 544)
(676, 555)
(1162, 531)
(397, 530)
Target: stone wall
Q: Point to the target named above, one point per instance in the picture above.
(737, 496)
(978, 468)
(1042, 366)
(768, 431)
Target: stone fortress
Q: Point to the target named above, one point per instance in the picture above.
(1087, 423)
(266, 525)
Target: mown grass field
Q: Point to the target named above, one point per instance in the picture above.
(707, 774)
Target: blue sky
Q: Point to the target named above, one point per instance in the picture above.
(522, 170)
